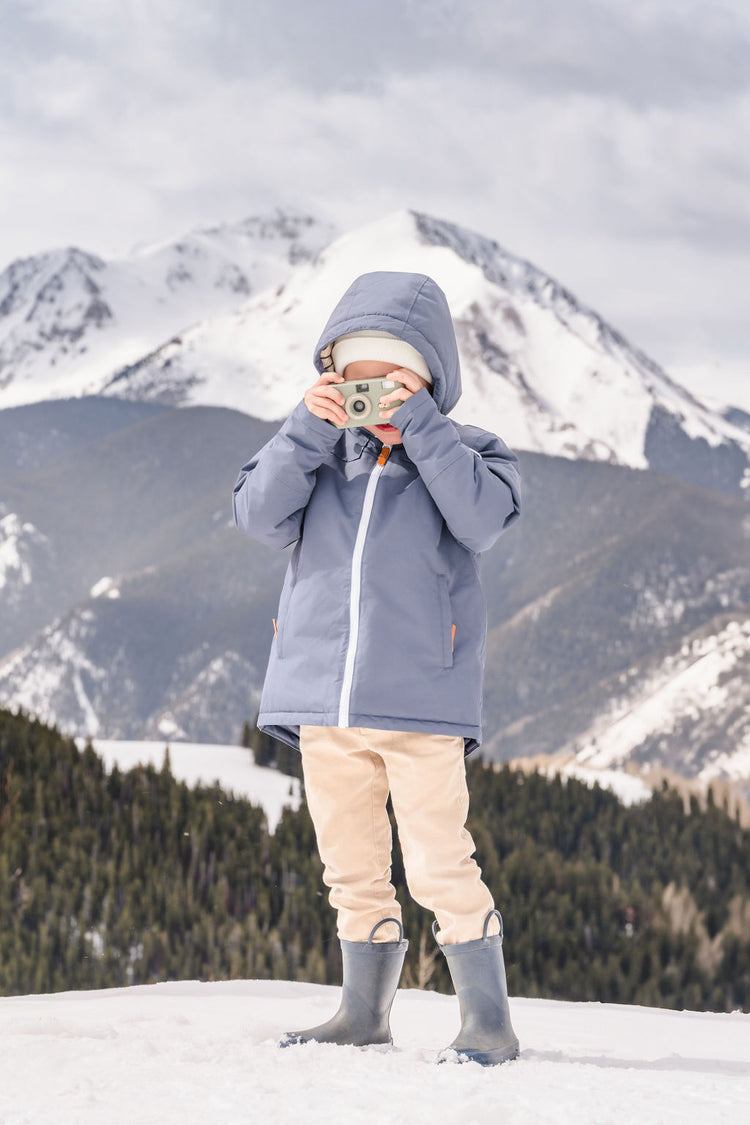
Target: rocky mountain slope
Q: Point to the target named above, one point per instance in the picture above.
(615, 583)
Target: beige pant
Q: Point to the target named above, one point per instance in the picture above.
(348, 774)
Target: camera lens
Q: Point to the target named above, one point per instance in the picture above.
(358, 407)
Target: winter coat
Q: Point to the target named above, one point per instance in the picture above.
(382, 618)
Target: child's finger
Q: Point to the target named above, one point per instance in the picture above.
(402, 394)
(330, 413)
(331, 393)
(324, 406)
(333, 413)
(408, 378)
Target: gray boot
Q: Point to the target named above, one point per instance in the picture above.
(371, 975)
(477, 969)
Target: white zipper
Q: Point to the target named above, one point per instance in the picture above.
(356, 584)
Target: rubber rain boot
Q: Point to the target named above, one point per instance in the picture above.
(477, 970)
(370, 979)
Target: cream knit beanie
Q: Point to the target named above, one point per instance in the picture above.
(371, 344)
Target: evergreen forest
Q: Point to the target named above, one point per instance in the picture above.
(116, 878)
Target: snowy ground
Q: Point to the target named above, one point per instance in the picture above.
(204, 763)
(205, 1053)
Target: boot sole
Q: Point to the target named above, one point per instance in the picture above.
(484, 1058)
(298, 1041)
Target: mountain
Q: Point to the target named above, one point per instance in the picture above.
(229, 316)
(158, 621)
(539, 367)
(130, 503)
(619, 624)
(70, 319)
(131, 608)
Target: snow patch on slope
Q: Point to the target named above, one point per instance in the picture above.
(203, 763)
(35, 683)
(628, 789)
(688, 685)
(18, 538)
(106, 587)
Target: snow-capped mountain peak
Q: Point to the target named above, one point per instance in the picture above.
(539, 367)
(70, 319)
(228, 316)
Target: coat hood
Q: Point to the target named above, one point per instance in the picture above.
(408, 305)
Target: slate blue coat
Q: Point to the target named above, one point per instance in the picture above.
(382, 619)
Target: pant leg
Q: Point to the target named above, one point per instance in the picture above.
(347, 789)
(427, 778)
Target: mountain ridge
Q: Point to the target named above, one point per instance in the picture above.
(69, 318)
(540, 367)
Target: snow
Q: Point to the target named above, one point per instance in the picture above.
(40, 676)
(72, 319)
(205, 1053)
(106, 587)
(16, 536)
(690, 683)
(735, 766)
(203, 763)
(629, 789)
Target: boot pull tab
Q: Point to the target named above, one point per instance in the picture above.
(487, 922)
(382, 922)
(484, 928)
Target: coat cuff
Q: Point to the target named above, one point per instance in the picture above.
(418, 407)
(430, 438)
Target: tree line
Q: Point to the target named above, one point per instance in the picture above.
(115, 878)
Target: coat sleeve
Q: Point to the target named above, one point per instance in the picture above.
(477, 487)
(272, 490)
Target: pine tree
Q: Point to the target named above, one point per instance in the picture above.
(129, 877)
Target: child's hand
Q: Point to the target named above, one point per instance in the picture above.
(324, 401)
(412, 384)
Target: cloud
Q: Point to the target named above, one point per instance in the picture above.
(603, 139)
(641, 52)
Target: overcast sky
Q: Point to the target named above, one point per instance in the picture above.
(608, 141)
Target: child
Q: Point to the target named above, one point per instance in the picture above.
(376, 665)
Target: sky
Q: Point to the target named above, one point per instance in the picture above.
(606, 141)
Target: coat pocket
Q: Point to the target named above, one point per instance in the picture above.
(280, 622)
(278, 625)
(447, 624)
